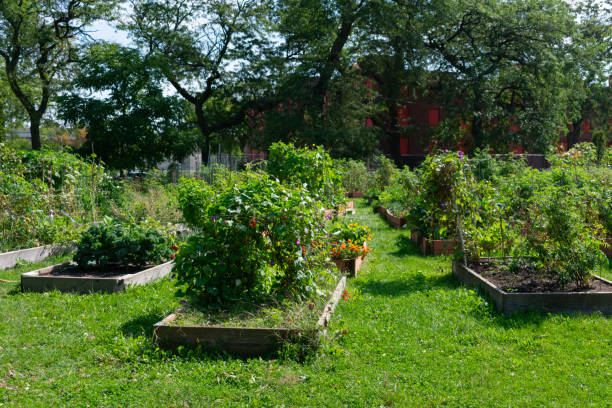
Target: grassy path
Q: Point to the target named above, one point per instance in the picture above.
(409, 336)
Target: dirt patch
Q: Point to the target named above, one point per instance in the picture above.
(112, 271)
(530, 280)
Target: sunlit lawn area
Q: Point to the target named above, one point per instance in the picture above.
(409, 335)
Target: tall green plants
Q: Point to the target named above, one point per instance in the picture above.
(309, 168)
(257, 239)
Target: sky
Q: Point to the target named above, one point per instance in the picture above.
(102, 30)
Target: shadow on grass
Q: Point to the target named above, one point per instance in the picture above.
(416, 283)
(16, 290)
(141, 325)
(405, 247)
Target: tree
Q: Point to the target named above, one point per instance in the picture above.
(498, 70)
(395, 58)
(323, 100)
(211, 52)
(588, 62)
(12, 114)
(38, 41)
(130, 123)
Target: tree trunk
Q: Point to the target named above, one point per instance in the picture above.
(573, 136)
(477, 134)
(201, 121)
(205, 150)
(35, 132)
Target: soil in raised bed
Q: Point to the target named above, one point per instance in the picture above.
(530, 281)
(112, 271)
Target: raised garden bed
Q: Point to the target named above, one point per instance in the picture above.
(514, 294)
(355, 194)
(395, 221)
(437, 246)
(66, 278)
(349, 266)
(241, 341)
(9, 259)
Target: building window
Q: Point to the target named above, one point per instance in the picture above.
(434, 117)
(404, 147)
(403, 116)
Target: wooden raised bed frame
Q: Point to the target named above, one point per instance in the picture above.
(554, 302)
(41, 280)
(437, 246)
(9, 259)
(241, 341)
(395, 221)
(349, 266)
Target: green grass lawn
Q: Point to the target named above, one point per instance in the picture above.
(409, 336)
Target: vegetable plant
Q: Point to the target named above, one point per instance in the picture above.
(309, 168)
(114, 243)
(258, 239)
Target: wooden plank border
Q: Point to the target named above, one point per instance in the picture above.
(41, 280)
(241, 341)
(554, 302)
(36, 254)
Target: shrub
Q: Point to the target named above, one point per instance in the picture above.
(399, 196)
(556, 234)
(28, 215)
(444, 194)
(258, 239)
(114, 243)
(153, 200)
(490, 168)
(582, 154)
(308, 168)
(385, 169)
(194, 197)
(548, 220)
(354, 175)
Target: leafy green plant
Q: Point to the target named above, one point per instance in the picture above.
(355, 175)
(48, 196)
(444, 195)
(258, 238)
(400, 195)
(381, 178)
(113, 243)
(556, 233)
(194, 197)
(357, 234)
(309, 168)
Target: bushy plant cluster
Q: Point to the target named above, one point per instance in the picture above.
(552, 219)
(113, 243)
(308, 168)
(46, 196)
(433, 196)
(354, 232)
(398, 195)
(355, 176)
(258, 238)
(381, 178)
